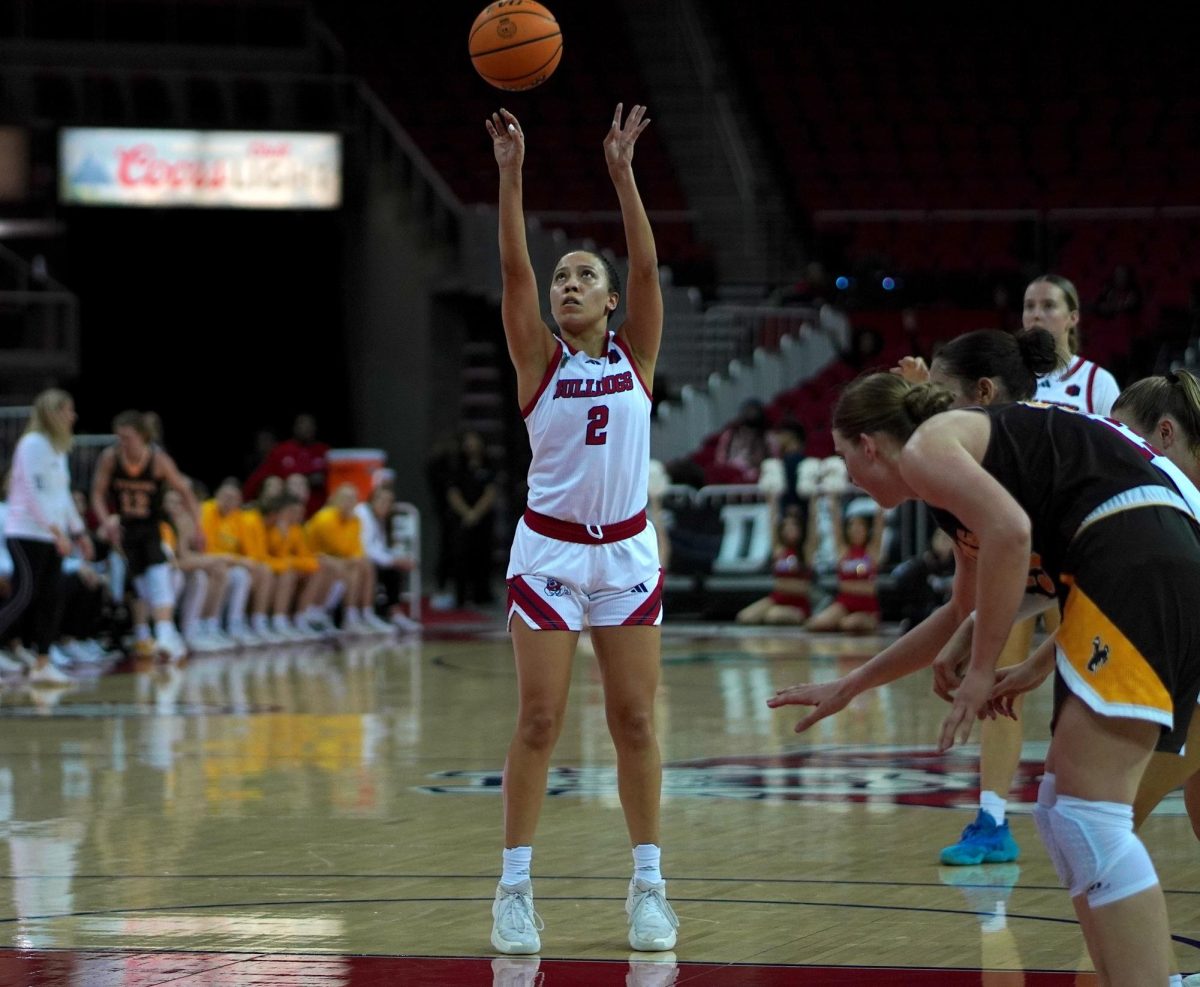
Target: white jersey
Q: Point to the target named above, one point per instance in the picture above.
(1081, 386)
(39, 494)
(589, 429)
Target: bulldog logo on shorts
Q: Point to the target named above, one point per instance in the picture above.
(1099, 655)
(555, 588)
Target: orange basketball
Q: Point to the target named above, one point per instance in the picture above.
(515, 44)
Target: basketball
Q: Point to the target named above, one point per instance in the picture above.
(515, 44)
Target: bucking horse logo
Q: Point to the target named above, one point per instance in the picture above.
(1099, 655)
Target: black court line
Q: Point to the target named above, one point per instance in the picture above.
(490, 876)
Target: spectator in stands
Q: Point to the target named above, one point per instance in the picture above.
(391, 562)
(809, 287)
(1120, 294)
(788, 601)
(1006, 319)
(303, 453)
(866, 345)
(859, 547)
(335, 535)
(742, 446)
(786, 442)
(921, 584)
(438, 470)
(41, 526)
(127, 495)
(471, 499)
(265, 441)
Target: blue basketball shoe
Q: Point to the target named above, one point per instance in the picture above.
(982, 842)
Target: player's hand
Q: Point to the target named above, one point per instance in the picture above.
(950, 662)
(826, 698)
(1014, 681)
(912, 369)
(618, 143)
(970, 703)
(86, 549)
(508, 140)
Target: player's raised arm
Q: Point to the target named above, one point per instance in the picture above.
(643, 325)
(530, 343)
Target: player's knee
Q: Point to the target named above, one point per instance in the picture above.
(632, 728)
(538, 728)
(1107, 862)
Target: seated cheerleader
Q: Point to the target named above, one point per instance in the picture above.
(856, 607)
(788, 601)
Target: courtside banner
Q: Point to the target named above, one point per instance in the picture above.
(221, 168)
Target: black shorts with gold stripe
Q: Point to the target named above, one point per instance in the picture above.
(1129, 644)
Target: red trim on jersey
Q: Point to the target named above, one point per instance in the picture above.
(648, 612)
(521, 594)
(1091, 381)
(585, 534)
(553, 365)
(1079, 362)
(633, 363)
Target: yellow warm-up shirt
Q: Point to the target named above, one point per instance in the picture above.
(288, 549)
(329, 534)
(222, 535)
(254, 535)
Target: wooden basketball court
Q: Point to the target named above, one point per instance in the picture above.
(333, 816)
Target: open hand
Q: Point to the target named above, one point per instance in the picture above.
(826, 698)
(970, 703)
(1014, 681)
(508, 140)
(618, 143)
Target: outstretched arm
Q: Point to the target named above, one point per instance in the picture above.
(643, 325)
(914, 651)
(531, 345)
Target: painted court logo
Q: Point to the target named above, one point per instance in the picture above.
(898, 776)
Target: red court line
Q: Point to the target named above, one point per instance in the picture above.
(138, 968)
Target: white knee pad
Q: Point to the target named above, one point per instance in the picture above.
(1105, 859)
(154, 586)
(1046, 799)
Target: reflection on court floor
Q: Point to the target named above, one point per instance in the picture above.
(332, 816)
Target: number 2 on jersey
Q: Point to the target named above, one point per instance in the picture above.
(597, 423)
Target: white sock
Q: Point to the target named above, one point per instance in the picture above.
(646, 859)
(163, 630)
(993, 805)
(259, 622)
(517, 862)
(280, 622)
(211, 625)
(1175, 980)
(142, 632)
